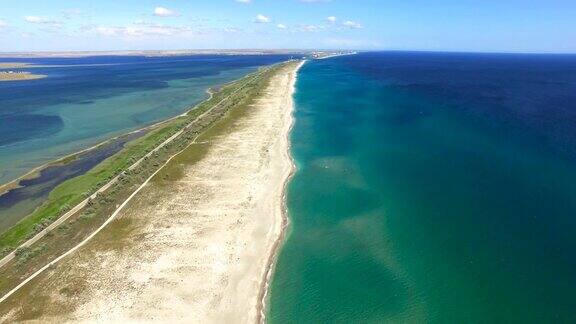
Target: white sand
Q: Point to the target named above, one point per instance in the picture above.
(200, 249)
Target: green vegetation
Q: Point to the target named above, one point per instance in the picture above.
(23, 254)
(74, 191)
(189, 147)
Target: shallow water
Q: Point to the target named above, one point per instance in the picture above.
(86, 100)
(431, 187)
(19, 202)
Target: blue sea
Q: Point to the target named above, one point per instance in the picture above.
(431, 188)
(89, 99)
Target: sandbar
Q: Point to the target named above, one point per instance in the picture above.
(195, 249)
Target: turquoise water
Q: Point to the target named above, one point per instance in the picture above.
(431, 188)
(89, 99)
(84, 101)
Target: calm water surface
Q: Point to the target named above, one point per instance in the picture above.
(432, 188)
(86, 100)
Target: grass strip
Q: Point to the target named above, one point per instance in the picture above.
(73, 191)
(83, 223)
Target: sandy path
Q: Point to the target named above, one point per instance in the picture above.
(197, 250)
(60, 220)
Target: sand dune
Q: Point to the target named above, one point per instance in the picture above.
(197, 249)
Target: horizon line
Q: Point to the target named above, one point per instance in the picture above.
(5, 54)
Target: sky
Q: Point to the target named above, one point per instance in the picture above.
(441, 25)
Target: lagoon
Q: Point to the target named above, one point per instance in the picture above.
(86, 100)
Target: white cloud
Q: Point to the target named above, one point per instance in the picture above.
(3, 23)
(352, 24)
(281, 26)
(331, 19)
(244, 1)
(35, 19)
(43, 21)
(311, 28)
(262, 19)
(139, 29)
(39, 20)
(165, 12)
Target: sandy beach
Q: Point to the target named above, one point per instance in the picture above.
(19, 76)
(196, 249)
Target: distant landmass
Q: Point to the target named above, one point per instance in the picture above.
(168, 52)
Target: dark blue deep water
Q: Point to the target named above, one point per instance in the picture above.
(432, 188)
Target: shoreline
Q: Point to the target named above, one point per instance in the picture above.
(263, 295)
(21, 76)
(98, 230)
(336, 55)
(230, 211)
(153, 53)
(63, 218)
(5, 259)
(34, 172)
(28, 197)
(62, 161)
